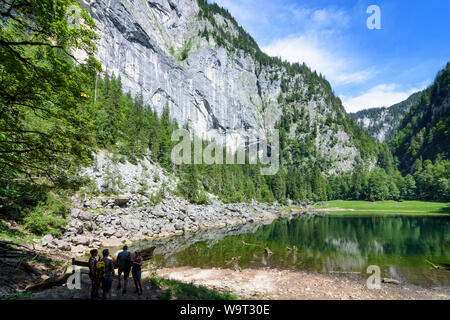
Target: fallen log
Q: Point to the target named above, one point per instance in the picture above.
(30, 268)
(147, 253)
(9, 244)
(79, 263)
(56, 280)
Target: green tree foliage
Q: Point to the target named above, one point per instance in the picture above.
(42, 95)
(189, 186)
(432, 180)
(425, 130)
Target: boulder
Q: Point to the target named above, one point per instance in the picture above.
(130, 223)
(63, 245)
(81, 240)
(109, 232)
(120, 234)
(74, 212)
(179, 226)
(89, 226)
(121, 201)
(79, 249)
(47, 239)
(168, 228)
(158, 213)
(84, 216)
(75, 226)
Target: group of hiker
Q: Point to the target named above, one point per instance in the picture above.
(101, 271)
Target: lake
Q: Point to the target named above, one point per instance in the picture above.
(404, 247)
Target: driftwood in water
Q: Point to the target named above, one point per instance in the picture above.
(147, 253)
(432, 264)
(235, 262)
(57, 280)
(445, 267)
(267, 251)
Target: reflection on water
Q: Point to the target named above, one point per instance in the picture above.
(400, 245)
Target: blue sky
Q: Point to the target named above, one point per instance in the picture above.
(366, 68)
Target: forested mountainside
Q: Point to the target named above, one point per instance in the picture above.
(193, 57)
(382, 123)
(424, 133)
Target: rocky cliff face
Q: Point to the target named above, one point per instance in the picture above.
(162, 49)
(382, 123)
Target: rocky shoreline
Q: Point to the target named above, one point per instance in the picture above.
(131, 215)
(100, 222)
(273, 284)
(97, 222)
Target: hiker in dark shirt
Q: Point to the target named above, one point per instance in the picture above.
(124, 262)
(109, 274)
(136, 271)
(92, 274)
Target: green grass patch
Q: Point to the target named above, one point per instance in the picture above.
(16, 296)
(179, 290)
(16, 235)
(391, 207)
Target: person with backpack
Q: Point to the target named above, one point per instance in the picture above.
(105, 273)
(136, 271)
(93, 274)
(124, 260)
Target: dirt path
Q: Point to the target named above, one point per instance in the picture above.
(274, 284)
(255, 284)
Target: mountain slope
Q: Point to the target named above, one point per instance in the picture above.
(382, 123)
(425, 131)
(193, 57)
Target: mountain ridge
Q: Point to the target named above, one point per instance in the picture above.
(382, 122)
(424, 131)
(193, 57)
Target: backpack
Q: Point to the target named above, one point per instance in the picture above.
(100, 271)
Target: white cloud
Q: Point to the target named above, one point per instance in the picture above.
(383, 95)
(329, 18)
(318, 40)
(313, 50)
(243, 10)
(322, 45)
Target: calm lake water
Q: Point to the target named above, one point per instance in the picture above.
(399, 245)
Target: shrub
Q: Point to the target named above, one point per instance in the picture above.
(48, 216)
(40, 223)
